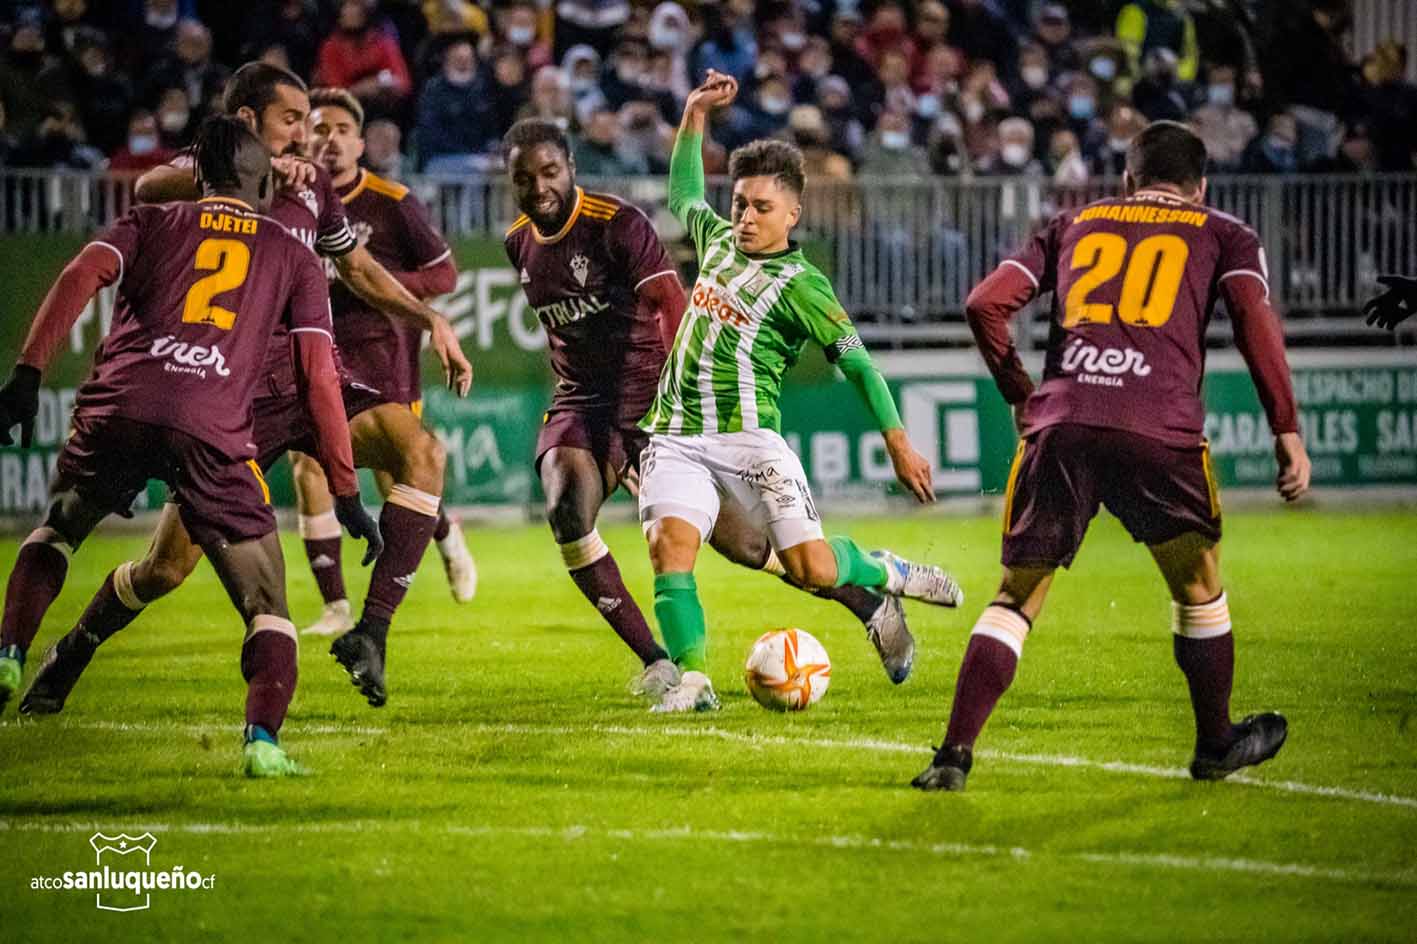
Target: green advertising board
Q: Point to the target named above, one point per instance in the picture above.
(1358, 408)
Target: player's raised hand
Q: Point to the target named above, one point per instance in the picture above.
(19, 403)
(292, 171)
(912, 469)
(350, 512)
(717, 91)
(1294, 469)
(457, 369)
(1394, 306)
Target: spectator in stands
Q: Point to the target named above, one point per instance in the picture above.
(932, 26)
(672, 35)
(1053, 30)
(455, 17)
(945, 147)
(644, 134)
(1144, 25)
(1357, 154)
(143, 148)
(454, 114)
(382, 154)
(1065, 160)
(1015, 153)
(1390, 102)
(70, 16)
(1225, 128)
(1034, 74)
(154, 36)
(1109, 158)
(1307, 71)
(29, 78)
(981, 93)
(190, 67)
(889, 151)
(729, 44)
(289, 24)
(978, 28)
(595, 149)
(1157, 95)
(365, 60)
(174, 118)
(510, 88)
(581, 66)
(848, 133)
(859, 74)
(103, 94)
(594, 23)
(893, 69)
(808, 130)
(1276, 152)
(628, 80)
(57, 141)
(550, 98)
(886, 31)
(516, 26)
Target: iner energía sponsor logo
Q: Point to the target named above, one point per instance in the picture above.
(1103, 366)
(184, 358)
(123, 877)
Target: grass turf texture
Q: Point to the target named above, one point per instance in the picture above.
(513, 789)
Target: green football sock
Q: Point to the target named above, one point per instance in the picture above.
(854, 566)
(681, 620)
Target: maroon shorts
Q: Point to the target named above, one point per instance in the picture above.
(1063, 473)
(388, 359)
(604, 433)
(108, 460)
(281, 424)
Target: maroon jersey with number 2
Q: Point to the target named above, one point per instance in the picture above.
(202, 288)
(582, 284)
(1135, 280)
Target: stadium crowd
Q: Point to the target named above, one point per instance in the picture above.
(879, 87)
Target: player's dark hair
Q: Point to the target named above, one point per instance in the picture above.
(768, 158)
(1166, 152)
(254, 86)
(338, 98)
(529, 132)
(214, 153)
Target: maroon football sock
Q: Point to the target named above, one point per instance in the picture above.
(1209, 665)
(862, 603)
(987, 671)
(104, 616)
(34, 583)
(602, 585)
(324, 557)
(268, 663)
(406, 534)
(444, 525)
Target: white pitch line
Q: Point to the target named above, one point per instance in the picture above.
(863, 744)
(570, 834)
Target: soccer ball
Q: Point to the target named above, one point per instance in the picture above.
(788, 670)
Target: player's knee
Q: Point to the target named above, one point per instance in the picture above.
(568, 520)
(159, 576)
(265, 599)
(424, 463)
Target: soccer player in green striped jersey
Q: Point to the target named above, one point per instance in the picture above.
(714, 423)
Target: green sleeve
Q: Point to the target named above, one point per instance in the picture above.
(856, 365)
(686, 191)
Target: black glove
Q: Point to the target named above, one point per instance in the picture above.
(19, 403)
(350, 512)
(1392, 307)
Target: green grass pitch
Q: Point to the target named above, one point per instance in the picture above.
(513, 789)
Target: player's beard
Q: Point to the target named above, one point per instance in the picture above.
(553, 219)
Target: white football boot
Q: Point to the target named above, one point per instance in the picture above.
(889, 633)
(693, 693)
(657, 678)
(335, 620)
(924, 582)
(458, 563)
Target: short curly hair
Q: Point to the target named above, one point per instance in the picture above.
(529, 132)
(769, 158)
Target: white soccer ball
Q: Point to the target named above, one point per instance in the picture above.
(788, 670)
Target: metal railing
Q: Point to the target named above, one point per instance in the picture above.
(903, 253)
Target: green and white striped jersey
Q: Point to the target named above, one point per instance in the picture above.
(747, 322)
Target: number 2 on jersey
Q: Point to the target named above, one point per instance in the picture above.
(231, 258)
(1149, 286)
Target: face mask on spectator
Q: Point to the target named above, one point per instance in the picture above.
(628, 71)
(973, 110)
(793, 41)
(1014, 155)
(927, 105)
(1103, 68)
(142, 144)
(1279, 151)
(662, 36)
(1035, 77)
(161, 20)
(581, 83)
(521, 35)
(1081, 107)
(775, 105)
(895, 140)
(1118, 144)
(173, 121)
(1221, 94)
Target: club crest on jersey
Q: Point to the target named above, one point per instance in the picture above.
(526, 279)
(580, 268)
(312, 202)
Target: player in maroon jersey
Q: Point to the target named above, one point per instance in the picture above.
(275, 104)
(599, 280)
(391, 223)
(1116, 423)
(202, 287)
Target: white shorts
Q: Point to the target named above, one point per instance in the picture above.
(689, 477)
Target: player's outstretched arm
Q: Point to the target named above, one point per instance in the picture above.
(1260, 339)
(1394, 306)
(989, 309)
(97, 265)
(373, 283)
(686, 164)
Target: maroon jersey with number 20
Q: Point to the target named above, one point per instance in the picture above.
(1135, 280)
(202, 288)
